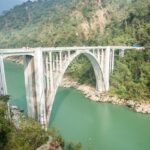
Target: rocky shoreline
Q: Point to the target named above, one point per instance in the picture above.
(89, 92)
(16, 59)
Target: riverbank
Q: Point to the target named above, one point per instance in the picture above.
(16, 59)
(89, 92)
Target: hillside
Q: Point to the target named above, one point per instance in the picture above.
(134, 28)
(88, 22)
(131, 77)
(58, 22)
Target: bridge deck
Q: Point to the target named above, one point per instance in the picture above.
(29, 51)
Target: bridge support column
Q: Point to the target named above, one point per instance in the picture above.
(111, 67)
(57, 62)
(30, 86)
(3, 87)
(40, 90)
(60, 61)
(98, 55)
(121, 52)
(53, 62)
(47, 72)
(106, 68)
(51, 72)
(113, 57)
(102, 60)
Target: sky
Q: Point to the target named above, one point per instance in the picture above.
(8, 4)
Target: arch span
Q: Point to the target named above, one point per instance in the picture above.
(44, 69)
(100, 84)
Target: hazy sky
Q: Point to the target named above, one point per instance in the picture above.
(7, 4)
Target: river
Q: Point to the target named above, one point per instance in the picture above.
(97, 126)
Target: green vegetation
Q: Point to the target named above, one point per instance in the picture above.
(74, 23)
(82, 71)
(131, 77)
(29, 135)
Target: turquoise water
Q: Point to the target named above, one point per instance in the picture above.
(98, 126)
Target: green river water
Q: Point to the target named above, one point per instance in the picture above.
(97, 126)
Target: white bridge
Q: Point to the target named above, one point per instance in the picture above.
(44, 69)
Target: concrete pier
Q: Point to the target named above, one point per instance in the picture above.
(29, 74)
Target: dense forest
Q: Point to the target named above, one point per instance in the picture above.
(58, 22)
(87, 22)
(131, 78)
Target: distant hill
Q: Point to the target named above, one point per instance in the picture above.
(59, 22)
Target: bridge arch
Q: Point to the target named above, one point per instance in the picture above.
(40, 61)
(100, 84)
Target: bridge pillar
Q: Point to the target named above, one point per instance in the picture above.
(111, 67)
(30, 85)
(102, 59)
(57, 62)
(51, 72)
(113, 57)
(40, 87)
(60, 61)
(47, 72)
(106, 67)
(53, 62)
(3, 87)
(121, 52)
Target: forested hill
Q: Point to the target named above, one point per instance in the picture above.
(135, 28)
(59, 22)
(87, 22)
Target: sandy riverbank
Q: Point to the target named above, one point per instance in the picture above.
(89, 92)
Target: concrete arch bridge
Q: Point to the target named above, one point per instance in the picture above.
(44, 69)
